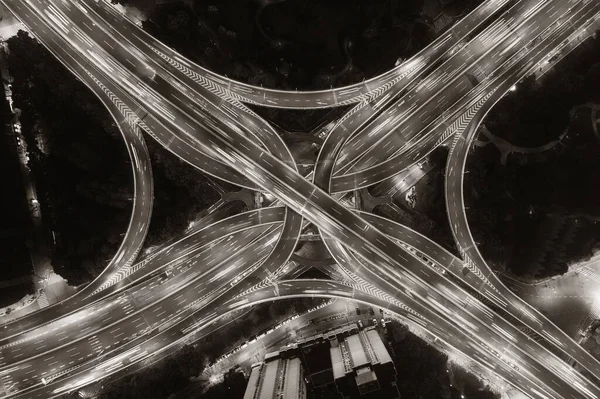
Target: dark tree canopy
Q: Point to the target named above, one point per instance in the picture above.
(539, 213)
(77, 157)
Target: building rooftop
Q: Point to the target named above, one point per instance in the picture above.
(337, 362)
(276, 378)
(378, 347)
(292, 379)
(253, 382)
(271, 355)
(365, 376)
(268, 384)
(357, 352)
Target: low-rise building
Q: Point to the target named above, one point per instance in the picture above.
(345, 363)
(276, 378)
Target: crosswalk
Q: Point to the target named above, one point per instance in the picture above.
(594, 313)
(589, 274)
(43, 300)
(54, 278)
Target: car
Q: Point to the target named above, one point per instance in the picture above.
(165, 275)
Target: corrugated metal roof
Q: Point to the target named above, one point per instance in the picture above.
(337, 362)
(359, 358)
(268, 385)
(253, 382)
(378, 347)
(291, 388)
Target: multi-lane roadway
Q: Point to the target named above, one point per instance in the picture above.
(398, 125)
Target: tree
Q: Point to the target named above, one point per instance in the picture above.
(75, 160)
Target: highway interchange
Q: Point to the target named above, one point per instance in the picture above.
(134, 311)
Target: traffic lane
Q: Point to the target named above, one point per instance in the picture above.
(455, 200)
(139, 272)
(311, 99)
(352, 122)
(107, 37)
(474, 56)
(108, 337)
(108, 313)
(73, 381)
(424, 91)
(141, 66)
(181, 252)
(420, 148)
(444, 331)
(499, 347)
(141, 210)
(555, 363)
(133, 351)
(40, 319)
(373, 238)
(396, 143)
